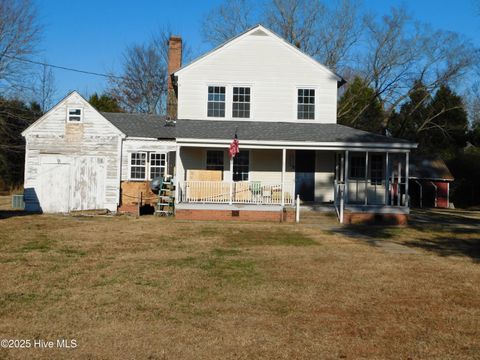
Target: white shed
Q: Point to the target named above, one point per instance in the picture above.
(72, 160)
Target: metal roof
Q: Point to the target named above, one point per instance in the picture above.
(141, 125)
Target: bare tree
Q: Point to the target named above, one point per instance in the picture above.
(227, 20)
(19, 35)
(143, 85)
(324, 32)
(401, 52)
(45, 89)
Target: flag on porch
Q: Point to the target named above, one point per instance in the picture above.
(234, 149)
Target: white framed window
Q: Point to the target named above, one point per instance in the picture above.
(215, 160)
(158, 162)
(241, 166)
(306, 104)
(74, 115)
(138, 166)
(216, 101)
(241, 102)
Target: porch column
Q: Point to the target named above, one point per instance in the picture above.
(407, 165)
(366, 177)
(387, 176)
(284, 157)
(231, 182)
(178, 174)
(346, 175)
(399, 202)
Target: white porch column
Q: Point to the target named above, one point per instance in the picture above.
(346, 176)
(179, 174)
(407, 166)
(366, 177)
(399, 182)
(284, 157)
(387, 176)
(231, 182)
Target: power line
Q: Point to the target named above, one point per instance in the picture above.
(63, 67)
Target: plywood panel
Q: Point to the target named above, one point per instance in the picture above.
(204, 175)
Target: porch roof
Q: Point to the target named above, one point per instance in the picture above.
(141, 125)
(279, 131)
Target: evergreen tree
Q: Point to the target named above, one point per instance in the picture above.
(360, 108)
(105, 103)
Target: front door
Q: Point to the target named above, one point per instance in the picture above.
(305, 174)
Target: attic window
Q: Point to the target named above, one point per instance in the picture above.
(75, 114)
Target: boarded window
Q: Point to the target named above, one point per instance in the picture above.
(241, 102)
(306, 104)
(216, 101)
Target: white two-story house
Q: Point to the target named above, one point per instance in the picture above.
(281, 105)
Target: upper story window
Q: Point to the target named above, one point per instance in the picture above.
(216, 101)
(241, 102)
(74, 115)
(214, 160)
(306, 104)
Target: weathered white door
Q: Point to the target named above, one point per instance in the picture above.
(88, 183)
(53, 188)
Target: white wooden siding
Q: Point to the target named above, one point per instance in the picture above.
(274, 73)
(91, 149)
(143, 145)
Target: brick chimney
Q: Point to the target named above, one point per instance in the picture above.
(174, 63)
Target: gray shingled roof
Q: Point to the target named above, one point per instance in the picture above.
(141, 125)
(429, 167)
(277, 131)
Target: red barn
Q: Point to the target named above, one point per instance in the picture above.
(430, 181)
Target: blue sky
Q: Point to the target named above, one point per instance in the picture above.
(91, 35)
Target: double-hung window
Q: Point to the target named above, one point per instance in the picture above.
(138, 166)
(215, 160)
(216, 101)
(157, 165)
(241, 102)
(306, 104)
(241, 164)
(74, 115)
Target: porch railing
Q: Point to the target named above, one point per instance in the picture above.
(242, 192)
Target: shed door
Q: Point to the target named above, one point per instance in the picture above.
(87, 190)
(53, 189)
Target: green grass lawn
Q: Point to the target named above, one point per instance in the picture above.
(155, 288)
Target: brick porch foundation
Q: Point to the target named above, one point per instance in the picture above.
(235, 215)
(371, 218)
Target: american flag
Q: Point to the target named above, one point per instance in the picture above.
(234, 149)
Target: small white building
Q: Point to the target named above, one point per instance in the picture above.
(279, 102)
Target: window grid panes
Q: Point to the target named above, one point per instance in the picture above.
(157, 165)
(241, 102)
(215, 160)
(241, 163)
(138, 166)
(376, 169)
(357, 167)
(306, 104)
(216, 101)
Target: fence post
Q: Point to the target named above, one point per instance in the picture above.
(297, 209)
